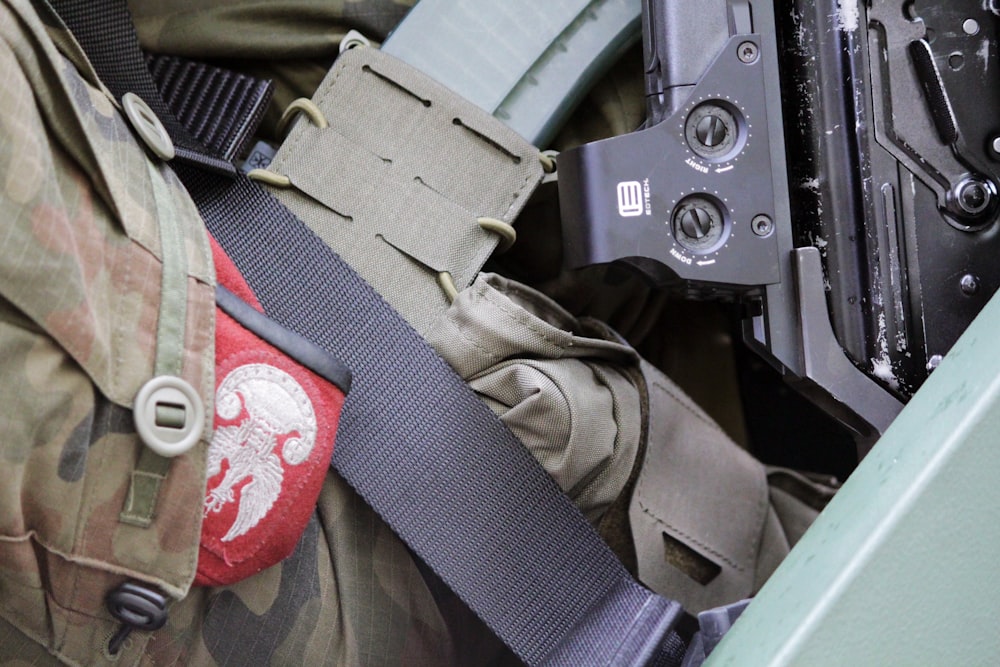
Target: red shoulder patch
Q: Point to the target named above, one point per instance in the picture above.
(275, 423)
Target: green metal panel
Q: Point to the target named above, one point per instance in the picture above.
(527, 62)
(902, 567)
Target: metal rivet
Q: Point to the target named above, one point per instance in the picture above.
(970, 26)
(148, 126)
(974, 196)
(352, 40)
(169, 415)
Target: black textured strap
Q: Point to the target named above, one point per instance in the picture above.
(434, 461)
(431, 458)
(105, 31)
(219, 107)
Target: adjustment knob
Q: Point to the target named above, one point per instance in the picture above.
(699, 223)
(696, 223)
(714, 131)
(711, 131)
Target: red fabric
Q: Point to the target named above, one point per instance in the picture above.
(275, 423)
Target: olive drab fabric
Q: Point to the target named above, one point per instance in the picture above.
(563, 385)
(424, 181)
(292, 42)
(81, 207)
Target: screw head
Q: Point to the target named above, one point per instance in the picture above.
(699, 224)
(969, 284)
(762, 225)
(696, 223)
(973, 196)
(747, 52)
(711, 131)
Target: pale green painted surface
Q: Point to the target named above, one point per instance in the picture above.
(903, 567)
(527, 62)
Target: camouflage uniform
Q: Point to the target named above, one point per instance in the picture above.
(79, 292)
(80, 284)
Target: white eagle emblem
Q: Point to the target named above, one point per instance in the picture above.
(275, 409)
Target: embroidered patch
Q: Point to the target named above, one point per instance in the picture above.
(266, 421)
(275, 423)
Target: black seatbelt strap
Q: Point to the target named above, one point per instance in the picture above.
(219, 107)
(431, 458)
(434, 461)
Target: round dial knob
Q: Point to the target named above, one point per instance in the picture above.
(699, 223)
(696, 222)
(713, 131)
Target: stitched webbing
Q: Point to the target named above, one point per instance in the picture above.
(219, 107)
(106, 33)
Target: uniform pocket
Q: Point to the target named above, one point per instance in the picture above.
(562, 385)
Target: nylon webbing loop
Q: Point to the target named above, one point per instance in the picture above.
(431, 458)
(151, 468)
(221, 108)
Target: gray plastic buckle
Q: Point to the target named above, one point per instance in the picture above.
(713, 625)
(148, 126)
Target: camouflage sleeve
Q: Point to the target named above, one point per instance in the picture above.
(350, 594)
(79, 288)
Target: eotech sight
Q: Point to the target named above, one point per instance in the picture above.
(832, 165)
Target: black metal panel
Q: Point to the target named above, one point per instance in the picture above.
(883, 145)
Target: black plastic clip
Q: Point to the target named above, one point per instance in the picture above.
(138, 607)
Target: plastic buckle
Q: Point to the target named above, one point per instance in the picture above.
(169, 415)
(713, 624)
(148, 126)
(138, 607)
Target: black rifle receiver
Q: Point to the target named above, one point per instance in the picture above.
(834, 167)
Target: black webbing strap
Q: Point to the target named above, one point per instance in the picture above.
(107, 35)
(433, 460)
(219, 107)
